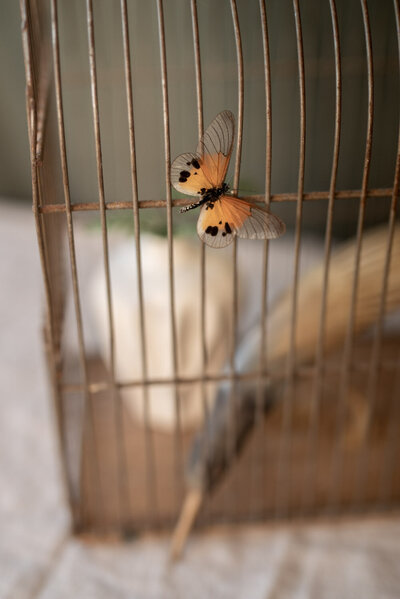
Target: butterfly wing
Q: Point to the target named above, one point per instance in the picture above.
(187, 175)
(257, 223)
(215, 147)
(193, 173)
(213, 225)
(229, 216)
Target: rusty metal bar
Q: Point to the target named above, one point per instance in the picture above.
(32, 109)
(89, 407)
(376, 354)
(123, 491)
(197, 64)
(240, 77)
(309, 486)
(43, 97)
(393, 436)
(259, 461)
(279, 375)
(164, 82)
(283, 487)
(348, 344)
(385, 192)
(151, 479)
(200, 125)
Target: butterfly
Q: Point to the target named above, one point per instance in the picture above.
(222, 216)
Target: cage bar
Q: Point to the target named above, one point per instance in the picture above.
(178, 434)
(151, 481)
(267, 469)
(309, 485)
(348, 345)
(284, 466)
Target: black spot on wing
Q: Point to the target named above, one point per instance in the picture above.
(196, 163)
(183, 176)
(212, 230)
(228, 228)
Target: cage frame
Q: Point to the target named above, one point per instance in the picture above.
(41, 71)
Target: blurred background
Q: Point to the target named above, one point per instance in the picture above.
(38, 558)
(218, 56)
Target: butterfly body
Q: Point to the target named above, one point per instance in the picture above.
(203, 173)
(208, 197)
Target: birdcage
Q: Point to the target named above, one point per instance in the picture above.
(299, 415)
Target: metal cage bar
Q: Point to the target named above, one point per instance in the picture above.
(373, 376)
(89, 405)
(313, 196)
(163, 60)
(151, 479)
(230, 449)
(392, 441)
(200, 128)
(118, 422)
(259, 461)
(309, 486)
(348, 345)
(283, 490)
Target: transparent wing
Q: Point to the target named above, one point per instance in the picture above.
(231, 216)
(215, 147)
(259, 222)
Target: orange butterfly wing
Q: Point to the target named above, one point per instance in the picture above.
(229, 216)
(188, 176)
(193, 173)
(215, 147)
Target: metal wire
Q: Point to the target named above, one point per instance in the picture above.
(278, 375)
(385, 192)
(151, 480)
(309, 486)
(260, 459)
(231, 497)
(200, 128)
(89, 405)
(50, 334)
(119, 421)
(392, 442)
(283, 488)
(164, 82)
(373, 378)
(348, 344)
(199, 94)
